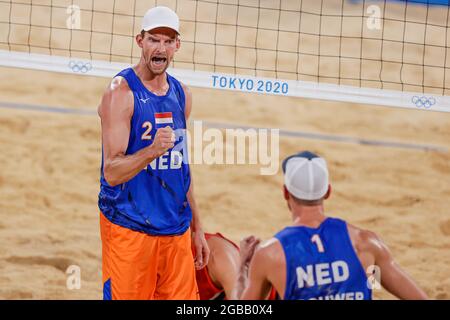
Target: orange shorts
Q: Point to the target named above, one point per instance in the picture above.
(138, 266)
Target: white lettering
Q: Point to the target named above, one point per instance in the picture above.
(266, 157)
(162, 165)
(374, 19)
(213, 152)
(169, 160)
(74, 277)
(319, 274)
(373, 273)
(359, 296)
(74, 19)
(176, 159)
(323, 274)
(341, 296)
(193, 310)
(307, 276)
(340, 266)
(350, 296)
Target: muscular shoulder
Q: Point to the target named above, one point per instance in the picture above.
(117, 97)
(270, 252)
(365, 240)
(186, 89)
(188, 97)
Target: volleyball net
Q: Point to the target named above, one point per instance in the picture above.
(392, 53)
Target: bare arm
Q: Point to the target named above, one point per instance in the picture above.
(393, 278)
(199, 241)
(188, 105)
(252, 283)
(224, 263)
(257, 286)
(115, 111)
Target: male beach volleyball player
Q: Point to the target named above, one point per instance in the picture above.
(317, 257)
(146, 197)
(216, 281)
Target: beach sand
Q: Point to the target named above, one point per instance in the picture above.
(49, 180)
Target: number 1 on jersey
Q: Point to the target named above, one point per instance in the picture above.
(316, 239)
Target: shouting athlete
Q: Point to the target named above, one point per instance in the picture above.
(148, 210)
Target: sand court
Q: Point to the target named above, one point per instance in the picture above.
(49, 180)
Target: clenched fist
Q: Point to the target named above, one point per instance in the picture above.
(164, 140)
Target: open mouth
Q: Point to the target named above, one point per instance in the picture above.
(158, 61)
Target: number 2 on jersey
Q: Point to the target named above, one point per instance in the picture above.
(316, 239)
(146, 135)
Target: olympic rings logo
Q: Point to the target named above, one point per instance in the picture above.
(423, 102)
(80, 66)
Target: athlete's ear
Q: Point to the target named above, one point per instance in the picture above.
(177, 43)
(327, 195)
(285, 193)
(139, 39)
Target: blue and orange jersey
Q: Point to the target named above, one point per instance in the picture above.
(321, 263)
(155, 200)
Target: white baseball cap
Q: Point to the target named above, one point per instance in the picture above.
(160, 16)
(306, 176)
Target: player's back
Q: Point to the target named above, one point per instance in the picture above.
(321, 263)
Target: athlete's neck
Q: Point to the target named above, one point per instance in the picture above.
(310, 216)
(154, 82)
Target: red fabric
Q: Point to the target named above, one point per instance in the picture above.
(273, 294)
(206, 287)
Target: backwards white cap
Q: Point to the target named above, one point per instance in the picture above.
(306, 176)
(160, 16)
